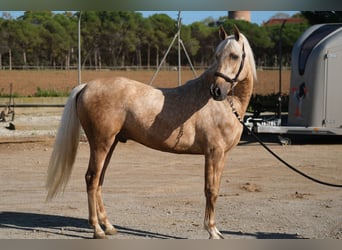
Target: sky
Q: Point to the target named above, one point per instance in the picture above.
(189, 17)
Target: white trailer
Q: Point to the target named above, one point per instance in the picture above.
(315, 101)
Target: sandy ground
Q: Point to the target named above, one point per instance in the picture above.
(26, 82)
(151, 194)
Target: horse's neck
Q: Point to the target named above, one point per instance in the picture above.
(201, 85)
(242, 94)
(242, 91)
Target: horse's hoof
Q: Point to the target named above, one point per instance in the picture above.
(111, 231)
(215, 234)
(216, 237)
(100, 235)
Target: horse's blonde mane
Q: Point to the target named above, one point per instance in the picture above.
(250, 56)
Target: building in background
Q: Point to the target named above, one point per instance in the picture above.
(240, 15)
(279, 18)
(279, 21)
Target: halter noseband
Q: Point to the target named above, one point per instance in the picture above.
(235, 79)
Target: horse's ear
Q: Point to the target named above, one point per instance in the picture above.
(222, 33)
(236, 33)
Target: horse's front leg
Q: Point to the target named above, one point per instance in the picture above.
(214, 165)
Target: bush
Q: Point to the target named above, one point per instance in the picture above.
(49, 93)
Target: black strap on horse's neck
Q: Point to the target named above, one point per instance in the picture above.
(236, 113)
(235, 79)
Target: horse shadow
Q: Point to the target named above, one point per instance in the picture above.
(77, 227)
(64, 225)
(263, 235)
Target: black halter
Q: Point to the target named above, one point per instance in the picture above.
(235, 79)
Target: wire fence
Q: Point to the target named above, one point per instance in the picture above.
(125, 68)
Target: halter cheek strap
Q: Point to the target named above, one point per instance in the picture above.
(235, 79)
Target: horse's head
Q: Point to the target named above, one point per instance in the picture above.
(230, 67)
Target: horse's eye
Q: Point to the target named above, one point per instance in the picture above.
(234, 56)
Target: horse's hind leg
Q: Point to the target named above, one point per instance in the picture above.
(101, 212)
(97, 162)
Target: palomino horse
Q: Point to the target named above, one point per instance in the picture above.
(196, 118)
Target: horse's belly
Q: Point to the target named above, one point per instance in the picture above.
(173, 147)
(180, 140)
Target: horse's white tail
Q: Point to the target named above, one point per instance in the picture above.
(65, 147)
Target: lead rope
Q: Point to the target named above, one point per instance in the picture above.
(230, 100)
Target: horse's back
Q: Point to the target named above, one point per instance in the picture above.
(115, 91)
(110, 105)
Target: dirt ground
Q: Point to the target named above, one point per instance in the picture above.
(151, 194)
(26, 82)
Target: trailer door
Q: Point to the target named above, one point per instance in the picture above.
(333, 98)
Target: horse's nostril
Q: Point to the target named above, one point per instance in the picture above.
(217, 92)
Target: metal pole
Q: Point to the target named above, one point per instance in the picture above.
(162, 61)
(79, 48)
(187, 56)
(280, 70)
(180, 44)
(179, 50)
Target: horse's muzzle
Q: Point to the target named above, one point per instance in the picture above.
(217, 93)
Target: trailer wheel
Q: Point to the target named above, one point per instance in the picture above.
(284, 140)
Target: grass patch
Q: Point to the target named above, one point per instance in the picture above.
(4, 95)
(50, 93)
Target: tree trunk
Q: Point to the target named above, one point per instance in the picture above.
(10, 59)
(123, 59)
(113, 57)
(148, 56)
(95, 58)
(157, 57)
(99, 60)
(67, 61)
(139, 57)
(24, 57)
(90, 61)
(85, 60)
